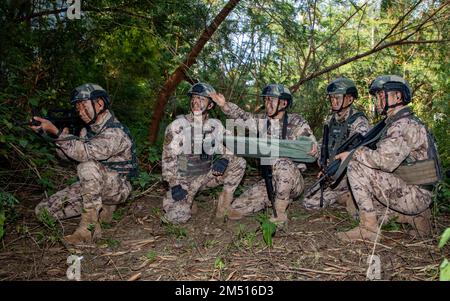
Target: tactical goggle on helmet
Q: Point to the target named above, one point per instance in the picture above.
(342, 86)
(279, 91)
(389, 83)
(203, 89)
(339, 88)
(91, 92)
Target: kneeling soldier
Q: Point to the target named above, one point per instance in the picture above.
(188, 172)
(397, 177)
(107, 161)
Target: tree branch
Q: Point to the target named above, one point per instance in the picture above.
(295, 87)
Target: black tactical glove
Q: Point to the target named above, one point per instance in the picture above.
(220, 166)
(178, 193)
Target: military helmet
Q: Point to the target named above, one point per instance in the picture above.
(278, 90)
(89, 91)
(342, 85)
(202, 89)
(391, 83)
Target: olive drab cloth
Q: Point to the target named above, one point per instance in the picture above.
(296, 150)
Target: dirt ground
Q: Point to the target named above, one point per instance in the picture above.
(138, 246)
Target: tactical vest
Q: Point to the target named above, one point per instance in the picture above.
(340, 131)
(128, 167)
(425, 173)
(191, 165)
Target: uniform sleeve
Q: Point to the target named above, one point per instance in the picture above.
(61, 154)
(391, 151)
(361, 125)
(171, 150)
(234, 111)
(104, 145)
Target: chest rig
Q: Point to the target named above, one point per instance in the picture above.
(193, 165)
(340, 131)
(129, 168)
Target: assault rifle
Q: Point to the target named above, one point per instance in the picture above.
(266, 172)
(324, 158)
(333, 173)
(61, 118)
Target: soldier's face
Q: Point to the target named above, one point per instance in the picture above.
(86, 110)
(380, 101)
(336, 101)
(271, 104)
(199, 104)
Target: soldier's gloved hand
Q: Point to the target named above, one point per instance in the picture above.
(178, 193)
(220, 166)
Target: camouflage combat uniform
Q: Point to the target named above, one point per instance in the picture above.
(193, 171)
(359, 125)
(287, 178)
(106, 156)
(370, 172)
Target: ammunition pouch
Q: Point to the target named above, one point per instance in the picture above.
(423, 172)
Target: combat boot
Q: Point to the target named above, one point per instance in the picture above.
(224, 204)
(106, 214)
(343, 198)
(421, 223)
(88, 230)
(234, 214)
(282, 219)
(367, 229)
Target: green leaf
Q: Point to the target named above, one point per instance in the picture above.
(444, 238)
(34, 101)
(268, 229)
(23, 143)
(2, 223)
(445, 271)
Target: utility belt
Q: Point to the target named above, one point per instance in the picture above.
(129, 172)
(423, 173)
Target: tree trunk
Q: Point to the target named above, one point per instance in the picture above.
(179, 74)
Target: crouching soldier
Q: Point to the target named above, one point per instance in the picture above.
(397, 177)
(187, 160)
(344, 122)
(106, 155)
(286, 177)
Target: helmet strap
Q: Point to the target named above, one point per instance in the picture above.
(94, 119)
(342, 106)
(386, 104)
(278, 110)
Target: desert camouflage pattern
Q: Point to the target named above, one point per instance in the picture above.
(287, 178)
(97, 183)
(287, 182)
(180, 212)
(370, 172)
(330, 195)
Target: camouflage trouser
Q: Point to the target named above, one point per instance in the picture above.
(330, 195)
(97, 185)
(376, 190)
(180, 212)
(288, 184)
